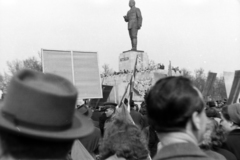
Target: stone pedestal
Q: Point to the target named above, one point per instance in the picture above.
(127, 60)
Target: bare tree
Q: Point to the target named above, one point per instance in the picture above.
(1, 81)
(33, 64)
(16, 65)
(218, 90)
(106, 69)
(4, 81)
(186, 73)
(199, 79)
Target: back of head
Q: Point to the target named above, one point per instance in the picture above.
(211, 104)
(125, 140)
(212, 113)
(171, 102)
(25, 147)
(232, 113)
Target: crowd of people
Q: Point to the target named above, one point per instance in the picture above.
(40, 120)
(147, 69)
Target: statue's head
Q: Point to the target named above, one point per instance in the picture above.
(131, 3)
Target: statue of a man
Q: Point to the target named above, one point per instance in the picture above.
(134, 19)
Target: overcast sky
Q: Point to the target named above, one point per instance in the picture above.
(189, 33)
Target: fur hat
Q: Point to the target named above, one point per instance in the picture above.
(42, 105)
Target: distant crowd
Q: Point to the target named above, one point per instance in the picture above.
(40, 120)
(147, 69)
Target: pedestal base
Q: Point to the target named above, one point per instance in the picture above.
(127, 60)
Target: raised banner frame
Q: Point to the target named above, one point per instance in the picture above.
(235, 89)
(209, 84)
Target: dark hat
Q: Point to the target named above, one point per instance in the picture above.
(110, 104)
(234, 113)
(42, 105)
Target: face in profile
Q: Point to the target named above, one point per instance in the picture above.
(109, 112)
(226, 125)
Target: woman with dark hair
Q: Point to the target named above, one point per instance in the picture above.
(231, 124)
(218, 137)
(123, 141)
(206, 144)
(214, 138)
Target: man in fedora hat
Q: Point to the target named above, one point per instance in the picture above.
(38, 118)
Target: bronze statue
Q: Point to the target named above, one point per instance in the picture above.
(134, 19)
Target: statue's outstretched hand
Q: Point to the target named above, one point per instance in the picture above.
(125, 18)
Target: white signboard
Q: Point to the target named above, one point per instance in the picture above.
(81, 68)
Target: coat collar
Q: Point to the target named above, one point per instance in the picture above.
(180, 150)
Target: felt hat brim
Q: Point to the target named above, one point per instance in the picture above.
(81, 126)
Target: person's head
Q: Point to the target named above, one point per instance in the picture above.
(230, 117)
(212, 113)
(211, 104)
(136, 108)
(214, 136)
(125, 140)
(38, 118)
(25, 147)
(109, 111)
(132, 3)
(132, 104)
(110, 108)
(175, 105)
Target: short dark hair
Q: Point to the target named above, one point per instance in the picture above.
(125, 140)
(171, 102)
(25, 147)
(212, 113)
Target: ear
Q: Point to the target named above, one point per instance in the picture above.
(196, 120)
(232, 124)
